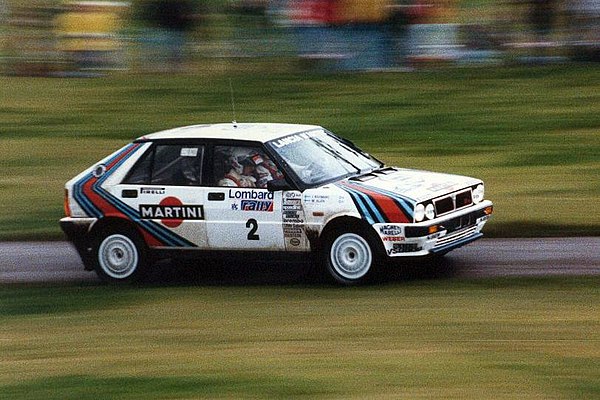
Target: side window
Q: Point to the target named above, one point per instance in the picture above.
(168, 164)
(243, 166)
(140, 173)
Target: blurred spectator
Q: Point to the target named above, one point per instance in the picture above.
(3, 31)
(168, 24)
(83, 37)
(584, 24)
(252, 28)
(541, 18)
(88, 36)
(434, 31)
(366, 36)
(313, 21)
(30, 41)
(399, 21)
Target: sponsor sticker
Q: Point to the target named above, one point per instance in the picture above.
(390, 230)
(256, 205)
(294, 139)
(316, 199)
(152, 190)
(250, 194)
(189, 152)
(292, 217)
(393, 239)
(171, 212)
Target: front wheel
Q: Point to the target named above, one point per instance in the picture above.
(349, 258)
(120, 257)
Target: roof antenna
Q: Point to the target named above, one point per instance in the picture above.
(234, 122)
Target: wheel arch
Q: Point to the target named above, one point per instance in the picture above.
(115, 223)
(120, 234)
(349, 223)
(103, 225)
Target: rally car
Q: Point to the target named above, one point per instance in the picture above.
(255, 187)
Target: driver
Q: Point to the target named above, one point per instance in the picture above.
(265, 170)
(241, 171)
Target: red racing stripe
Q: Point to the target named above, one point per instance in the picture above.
(387, 205)
(107, 209)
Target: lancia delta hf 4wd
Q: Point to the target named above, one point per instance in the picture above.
(263, 188)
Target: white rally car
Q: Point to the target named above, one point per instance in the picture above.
(263, 187)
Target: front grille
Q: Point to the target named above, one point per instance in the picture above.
(457, 223)
(444, 206)
(463, 199)
(450, 225)
(456, 236)
(453, 202)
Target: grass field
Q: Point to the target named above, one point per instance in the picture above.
(531, 133)
(501, 339)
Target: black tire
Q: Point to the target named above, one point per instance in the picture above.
(350, 257)
(119, 256)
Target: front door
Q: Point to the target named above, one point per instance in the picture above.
(244, 219)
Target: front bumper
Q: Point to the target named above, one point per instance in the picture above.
(437, 236)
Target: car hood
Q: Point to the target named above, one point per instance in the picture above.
(413, 185)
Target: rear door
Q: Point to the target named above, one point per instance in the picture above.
(165, 187)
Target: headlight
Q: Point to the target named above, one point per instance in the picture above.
(419, 212)
(430, 211)
(478, 194)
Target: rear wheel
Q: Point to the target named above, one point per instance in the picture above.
(120, 257)
(349, 257)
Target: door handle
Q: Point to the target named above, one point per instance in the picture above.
(216, 196)
(129, 194)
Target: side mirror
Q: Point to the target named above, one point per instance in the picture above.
(277, 185)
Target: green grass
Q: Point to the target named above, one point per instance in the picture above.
(503, 338)
(530, 133)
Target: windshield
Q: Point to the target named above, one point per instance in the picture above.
(317, 157)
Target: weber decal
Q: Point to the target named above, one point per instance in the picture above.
(393, 239)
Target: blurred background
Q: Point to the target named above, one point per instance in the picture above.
(91, 38)
(507, 91)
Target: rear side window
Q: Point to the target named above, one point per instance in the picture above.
(169, 164)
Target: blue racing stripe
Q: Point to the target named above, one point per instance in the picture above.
(164, 234)
(365, 205)
(406, 203)
(88, 207)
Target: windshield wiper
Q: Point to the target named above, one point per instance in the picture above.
(335, 153)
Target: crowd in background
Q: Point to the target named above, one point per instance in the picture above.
(89, 38)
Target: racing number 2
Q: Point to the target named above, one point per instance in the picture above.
(253, 225)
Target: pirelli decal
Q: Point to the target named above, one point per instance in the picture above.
(178, 212)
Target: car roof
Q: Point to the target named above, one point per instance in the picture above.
(261, 132)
